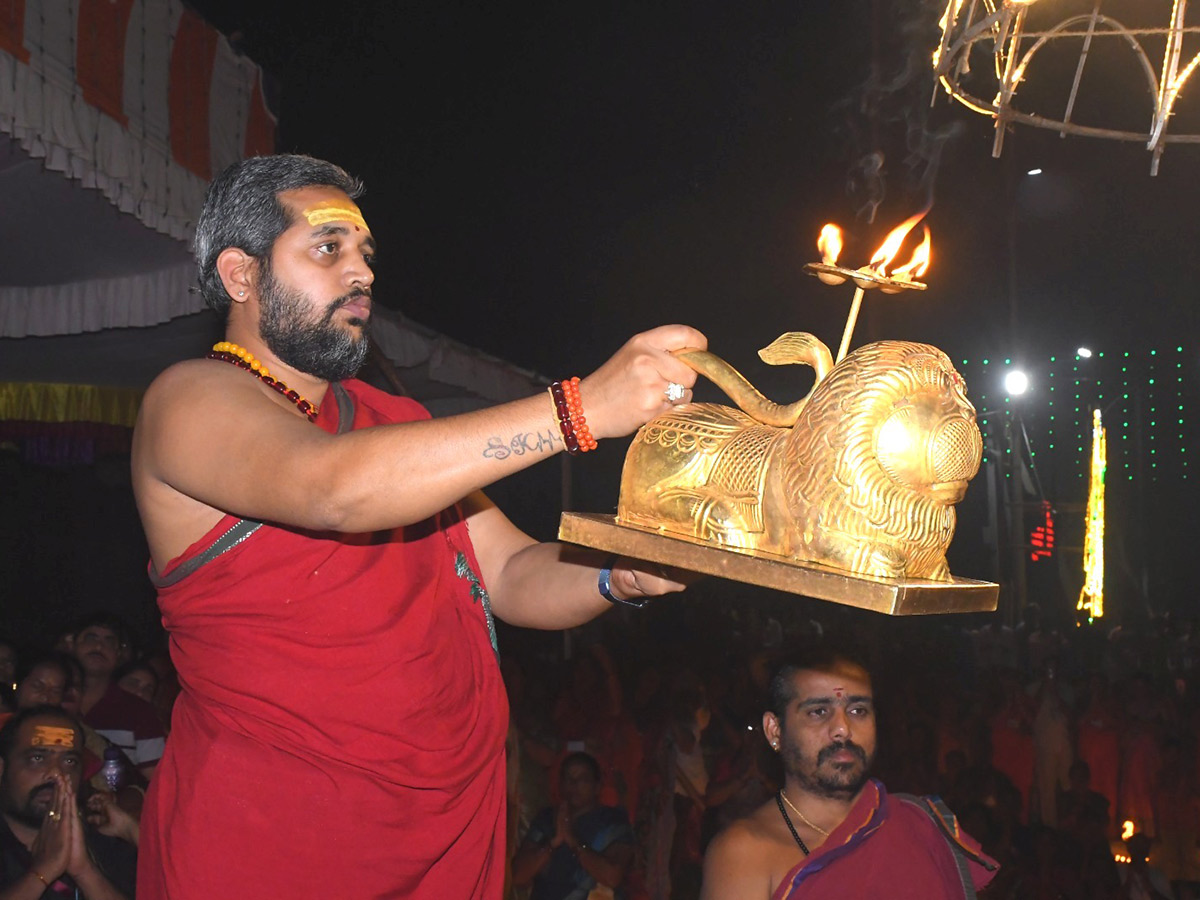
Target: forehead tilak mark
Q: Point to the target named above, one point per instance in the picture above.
(49, 736)
(334, 211)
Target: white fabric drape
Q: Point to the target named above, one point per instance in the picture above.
(408, 345)
(148, 298)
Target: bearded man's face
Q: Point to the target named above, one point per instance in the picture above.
(827, 736)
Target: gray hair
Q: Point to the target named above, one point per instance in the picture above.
(242, 209)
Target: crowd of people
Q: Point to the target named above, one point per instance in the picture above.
(1051, 745)
(83, 724)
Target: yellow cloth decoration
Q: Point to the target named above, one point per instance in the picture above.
(36, 402)
(1091, 597)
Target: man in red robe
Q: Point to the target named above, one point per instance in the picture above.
(832, 831)
(328, 568)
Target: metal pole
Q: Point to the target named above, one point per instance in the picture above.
(1016, 519)
(993, 536)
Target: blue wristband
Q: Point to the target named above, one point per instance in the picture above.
(605, 585)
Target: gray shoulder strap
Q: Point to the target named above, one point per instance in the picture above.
(238, 532)
(345, 408)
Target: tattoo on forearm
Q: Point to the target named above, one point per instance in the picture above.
(520, 444)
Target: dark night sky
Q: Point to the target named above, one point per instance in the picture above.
(546, 181)
(546, 178)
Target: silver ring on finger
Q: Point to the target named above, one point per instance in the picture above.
(674, 392)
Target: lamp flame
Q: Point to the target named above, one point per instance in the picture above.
(891, 246)
(915, 267)
(830, 244)
(1127, 830)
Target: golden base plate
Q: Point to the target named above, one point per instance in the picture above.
(891, 596)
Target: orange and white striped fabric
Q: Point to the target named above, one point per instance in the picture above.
(140, 99)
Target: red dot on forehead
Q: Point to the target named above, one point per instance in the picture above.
(838, 691)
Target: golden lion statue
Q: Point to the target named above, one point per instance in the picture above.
(861, 475)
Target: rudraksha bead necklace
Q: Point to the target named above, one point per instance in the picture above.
(244, 359)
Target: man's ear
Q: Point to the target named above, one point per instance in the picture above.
(237, 270)
(772, 729)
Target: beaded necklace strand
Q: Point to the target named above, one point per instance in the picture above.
(229, 352)
(791, 827)
(807, 821)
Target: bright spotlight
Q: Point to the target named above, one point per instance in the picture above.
(1034, 172)
(1084, 353)
(1016, 382)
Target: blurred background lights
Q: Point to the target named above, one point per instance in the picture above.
(1016, 382)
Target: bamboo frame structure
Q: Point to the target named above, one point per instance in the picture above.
(1014, 32)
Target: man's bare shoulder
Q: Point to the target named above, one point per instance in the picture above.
(749, 832)
(742, 861)
(184, 379)
(190, 395)
(195, 417)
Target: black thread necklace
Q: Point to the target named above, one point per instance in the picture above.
(791, 827)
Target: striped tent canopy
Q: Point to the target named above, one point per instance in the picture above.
(114, 116)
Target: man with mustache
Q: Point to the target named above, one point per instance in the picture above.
(328, 568)
(46, 848)
(831, 830)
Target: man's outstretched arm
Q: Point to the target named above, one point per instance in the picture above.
(207, 432)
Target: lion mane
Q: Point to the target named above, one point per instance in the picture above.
(846, 505)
